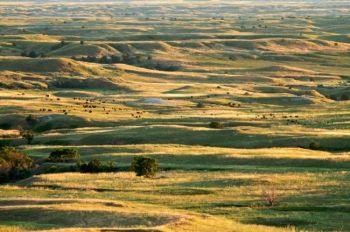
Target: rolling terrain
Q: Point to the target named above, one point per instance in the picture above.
(124, 79)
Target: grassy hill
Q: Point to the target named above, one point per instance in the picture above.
(244, 106)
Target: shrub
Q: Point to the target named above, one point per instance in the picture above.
(216, 125)
(64, 155)
(200, 105)
(27, 135)
(144, 166)
(314, 146)
(33, 54)
(14, 164)
(95, 166)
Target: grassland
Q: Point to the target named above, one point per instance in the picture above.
(276, 75)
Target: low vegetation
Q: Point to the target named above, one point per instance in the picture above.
(175, 116)
(96, 166)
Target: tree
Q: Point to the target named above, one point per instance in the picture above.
(81, 42)
(14, 164)
(27, 135)
(144, 166)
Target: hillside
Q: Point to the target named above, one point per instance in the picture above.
(162, 116)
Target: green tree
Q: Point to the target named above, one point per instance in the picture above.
(14, 164)
(144, 166)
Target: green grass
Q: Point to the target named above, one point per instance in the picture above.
(269, 85)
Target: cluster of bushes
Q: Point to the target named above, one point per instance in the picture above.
(59, 45)
(132, 59)
(126, 58)
(163, 66)
(32, 54)
(14, 164)
(343, 97)
(102, 60)
(95, 166)
(142, 166)
(64, 155)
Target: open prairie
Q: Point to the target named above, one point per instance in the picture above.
(243, 104)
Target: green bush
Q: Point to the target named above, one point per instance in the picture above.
(144, 166)
(200, 105)
(14, 164)
(64, 155)
(216, 125)
(33, 54)
(95, 166)
(314, 146)
(27, 135)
